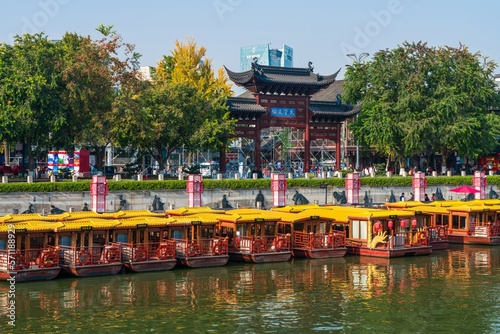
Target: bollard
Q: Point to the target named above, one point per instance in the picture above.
(172, 206)
(463, 173)
(434, 173)
(236, 176)
(181, 176)
(219, 176)
(5, 179)
(29, 179)
(140, 177)
(259, 205)
(389, 174)
(323, 175)
(372, 174)
(404, 173)
(255, 176)
(339, 174)
(117, 177)
(307, 175)
(161, 177)
(52, 178)
(71, 209)
(448, 173)
(74, 178)
(290, 175)
(491, 173)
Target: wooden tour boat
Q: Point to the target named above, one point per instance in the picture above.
(315, 234)
(85, 250)
(433, 220)
(474, 224)
(254, 236)
(381, 233)
(28, 251)
(197, 242)
(144, 245)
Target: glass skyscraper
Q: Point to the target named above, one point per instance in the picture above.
(265, 56)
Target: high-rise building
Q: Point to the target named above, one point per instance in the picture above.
(265, 56)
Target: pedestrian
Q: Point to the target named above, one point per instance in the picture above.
(402, 197)
(426, 199)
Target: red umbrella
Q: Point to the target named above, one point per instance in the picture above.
(465, 189)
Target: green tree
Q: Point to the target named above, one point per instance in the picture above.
(183, 106)
(417, 97)
(108, 72)
(30, 105)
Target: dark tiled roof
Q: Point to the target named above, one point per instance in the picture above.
(281, 80)
(326, 108)
(245, 108)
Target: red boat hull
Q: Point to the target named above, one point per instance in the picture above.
(94, 270)
(319, 253)
(260, 257)
(473, 240)
(203, 261)
(27, 275)
(148, 266)
(389, 253)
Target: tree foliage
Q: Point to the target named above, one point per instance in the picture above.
(417, 98)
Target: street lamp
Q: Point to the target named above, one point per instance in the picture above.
(357, 59)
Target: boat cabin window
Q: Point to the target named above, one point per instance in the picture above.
(154, 236)
(458, 222)
(270, 229)
(82, 239)
(255, 230)
(337, 227)
(99, 239)
(207, 232)
(36, 242)
(284, 228)
(177, 233)
(359, 230)
(298, 226)
(442, 220)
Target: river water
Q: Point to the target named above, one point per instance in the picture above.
(453, 291)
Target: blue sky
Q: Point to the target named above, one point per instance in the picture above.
(319, 31)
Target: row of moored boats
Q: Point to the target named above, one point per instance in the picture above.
(36, 247)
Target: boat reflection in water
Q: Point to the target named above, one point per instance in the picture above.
(455, 290)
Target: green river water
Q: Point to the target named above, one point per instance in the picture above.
(453, 291)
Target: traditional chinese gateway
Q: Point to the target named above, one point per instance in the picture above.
(294, 98)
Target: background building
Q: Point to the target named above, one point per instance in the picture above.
(265, 56)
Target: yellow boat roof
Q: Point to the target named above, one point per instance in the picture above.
(428, 209)
(191, 211)
(143, 222)
(89, 224)
(469, 208)
(308, 215)
(405, 204)
(295, 208)
(31, 226)
(21, 217)
(249, 216)
(201, 219)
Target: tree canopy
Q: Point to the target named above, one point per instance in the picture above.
(417, 98)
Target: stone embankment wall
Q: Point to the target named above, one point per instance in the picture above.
(143, 200)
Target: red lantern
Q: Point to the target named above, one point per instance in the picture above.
(414, 223)
(390, 224)
(403, 223)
